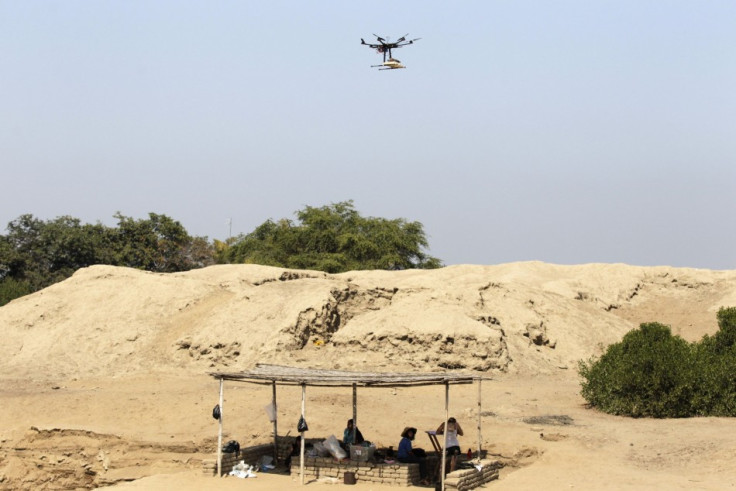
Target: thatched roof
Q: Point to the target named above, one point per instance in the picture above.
(267, 374)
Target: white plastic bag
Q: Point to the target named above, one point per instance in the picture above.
(333, 446)
(271, 411)
(243, 470)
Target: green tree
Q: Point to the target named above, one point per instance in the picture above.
(334, 239)
(10, 289)
(35, 253)
(649, 373)
(716, 369)
(655, 374)
(40, 253)
(160, 244)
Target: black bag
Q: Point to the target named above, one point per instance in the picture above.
(216, 412)
(419, 452)
(302, 426)
(231, 447)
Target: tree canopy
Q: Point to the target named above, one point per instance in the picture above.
(334, 238)
(35, 253)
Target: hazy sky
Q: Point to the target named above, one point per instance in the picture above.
(562, 131)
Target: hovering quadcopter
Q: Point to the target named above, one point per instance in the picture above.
(386, 46)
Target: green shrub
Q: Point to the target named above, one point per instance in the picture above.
(652, 373)
(10, 289)
(649, 373)
(716, 369)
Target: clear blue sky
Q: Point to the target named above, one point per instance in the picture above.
(562, 131)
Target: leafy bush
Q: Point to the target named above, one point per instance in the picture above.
(10, 289)
(652, 373)
(647, 374)
(716, 368)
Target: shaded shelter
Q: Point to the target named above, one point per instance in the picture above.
(274, 375)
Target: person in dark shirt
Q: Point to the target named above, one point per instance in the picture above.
(408, 454)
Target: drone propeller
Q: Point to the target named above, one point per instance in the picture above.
(379, 38)
(402, 38)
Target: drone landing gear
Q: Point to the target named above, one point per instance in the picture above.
(391, 64)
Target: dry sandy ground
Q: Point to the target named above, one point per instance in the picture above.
(537, 426)
(104, 379)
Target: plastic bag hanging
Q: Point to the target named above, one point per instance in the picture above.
(302, 426)
(271, 411)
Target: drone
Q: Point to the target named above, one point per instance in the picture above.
(385, 47)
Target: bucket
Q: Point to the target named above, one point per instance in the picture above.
(349, 478)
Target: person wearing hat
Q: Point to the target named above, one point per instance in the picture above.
(409, 455)
(453, 445)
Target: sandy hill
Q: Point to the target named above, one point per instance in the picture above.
(525, 317)
(103, 376)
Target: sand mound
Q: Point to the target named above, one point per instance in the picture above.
(524, 317)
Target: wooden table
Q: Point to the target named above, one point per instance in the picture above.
(435, 471)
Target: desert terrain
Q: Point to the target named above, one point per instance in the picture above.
(104, 377)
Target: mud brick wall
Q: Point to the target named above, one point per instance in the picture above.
(250, 455)
(209, 466)
(391, 474)
(466, 479)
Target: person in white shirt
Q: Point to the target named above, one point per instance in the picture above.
(453, 445)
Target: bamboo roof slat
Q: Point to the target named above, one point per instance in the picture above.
(266, 374)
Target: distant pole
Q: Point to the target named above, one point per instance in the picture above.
(219, 436)
(275, 426)
(355, 414)
(444, 444)
(230, 227)
(301, 450)
(480, 411)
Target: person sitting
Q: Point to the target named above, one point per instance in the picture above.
(347, 436)
(409, 455)
(296, 448)
(453, 445)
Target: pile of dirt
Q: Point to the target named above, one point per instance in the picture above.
(523, 318)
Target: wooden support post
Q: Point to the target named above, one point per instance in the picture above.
(444, 445)
(355, 414)
(219, 434)
(301, 450)
(275, 426)
(480, 410)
